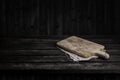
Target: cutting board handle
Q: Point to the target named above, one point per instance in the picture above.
(102, 54)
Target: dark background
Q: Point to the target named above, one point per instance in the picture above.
(59, 17)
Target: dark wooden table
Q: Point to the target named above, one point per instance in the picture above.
(40, 53)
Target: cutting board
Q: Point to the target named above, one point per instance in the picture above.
(83, 47)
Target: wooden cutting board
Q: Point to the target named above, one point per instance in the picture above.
(83, 47)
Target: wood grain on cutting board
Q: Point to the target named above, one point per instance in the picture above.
(83, 47)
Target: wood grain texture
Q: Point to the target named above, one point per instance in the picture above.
(60, 17)
(17, 54)
(83, 47)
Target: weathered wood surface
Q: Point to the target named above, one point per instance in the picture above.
(83, 47)
(41, 53)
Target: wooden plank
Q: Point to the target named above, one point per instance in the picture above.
(32, 52)
(52, 58)
(54, 39)
(38, 46)
(40, 59)
(47, 41)
(38, 40)
(27, 46)
(81, 67)
(21, 57)
(56, 52)
(48, 44)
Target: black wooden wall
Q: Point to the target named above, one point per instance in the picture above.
(59, 17)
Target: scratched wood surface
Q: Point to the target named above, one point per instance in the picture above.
(83, 47)
(41, 53)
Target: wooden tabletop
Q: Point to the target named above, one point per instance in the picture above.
(40, 53)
